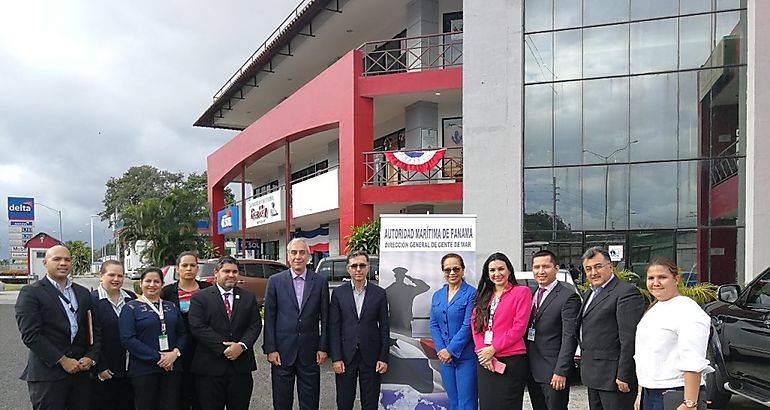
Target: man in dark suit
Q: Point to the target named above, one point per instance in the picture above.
(551, 335)
(611, 310)
(359, 335)
(54, 318)
(225, 321)
(296, 340)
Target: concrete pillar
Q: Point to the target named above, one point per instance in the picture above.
(422, 20)
(492, 125)
(216, 203)
(421, 119)
(334, 238)
(757, 135)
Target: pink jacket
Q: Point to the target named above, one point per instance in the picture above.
(509, 323)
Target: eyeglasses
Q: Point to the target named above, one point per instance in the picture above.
(356, 266)
(455, 269)
(596, 267)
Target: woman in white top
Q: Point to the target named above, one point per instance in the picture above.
(671, 342)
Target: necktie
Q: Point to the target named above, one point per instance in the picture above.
(540, 294)
(228, 309)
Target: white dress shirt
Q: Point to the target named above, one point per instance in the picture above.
(671, 339)
(548, 288)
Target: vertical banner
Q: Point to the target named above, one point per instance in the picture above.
(411, 248)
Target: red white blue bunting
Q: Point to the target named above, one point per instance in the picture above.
(417, 161)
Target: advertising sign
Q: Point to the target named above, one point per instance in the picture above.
(411, 248)
(264, 209)
(21, 223)
(228, 220)
(21, 208)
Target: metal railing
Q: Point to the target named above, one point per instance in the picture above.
(724, 167)
(398, 55)
(380, 172)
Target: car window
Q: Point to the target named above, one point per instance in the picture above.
(340, 271)
(759, 294)
(206, 269)
(271, 269)
(374, 269)
(252, 270)
(326, 270)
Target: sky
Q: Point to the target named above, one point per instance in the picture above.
(89, 89)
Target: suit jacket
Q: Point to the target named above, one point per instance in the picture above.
(45, 330)
(370, 333)
(210, 327)
(608, 329)
(296, 333)
(555, 325)
(113, 354)
(450, 321)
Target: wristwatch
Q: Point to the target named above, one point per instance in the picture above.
(178, 353)
(690, 404)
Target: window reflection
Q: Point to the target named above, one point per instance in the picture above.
(694, 40)
(605, 120)
(694, 6)
(605, 197)
(653, 197)
(537, 15)
(567, 123)
(687, 194)
(568, 46)
(654, 46)
(568, 197)
(538, 198)
(653, 117)
(567, 13)
(538, 60)
(605, 51)
(603, 11)
(643, 9)
(538, 125)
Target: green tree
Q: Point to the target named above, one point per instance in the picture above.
(81, 256)
(136, 185)
(168, 224)
(365, 237)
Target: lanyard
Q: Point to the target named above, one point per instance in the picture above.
(492, 309)
(159, 312)
(67, 301)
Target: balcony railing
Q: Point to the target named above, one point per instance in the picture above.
(398, 55)
(380, 172)
(724, 167)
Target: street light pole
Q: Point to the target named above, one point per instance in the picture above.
(61, 232)
(92, 239)
(606, 159)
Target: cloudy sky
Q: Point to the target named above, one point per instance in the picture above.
(91, 88)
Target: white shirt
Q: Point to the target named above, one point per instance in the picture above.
(671, 339)
(229, 297)
(548, 288)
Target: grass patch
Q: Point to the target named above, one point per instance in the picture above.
(14, 286)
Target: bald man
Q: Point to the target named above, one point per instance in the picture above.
(52, 318)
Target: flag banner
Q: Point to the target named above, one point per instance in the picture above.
(417, 161)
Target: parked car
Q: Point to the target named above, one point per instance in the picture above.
(739, 348)
(134, 274)
(170, 275)
(253, 274)
(334, 268)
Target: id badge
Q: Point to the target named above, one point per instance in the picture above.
(488, 337)
(531, 334)
(163, 342)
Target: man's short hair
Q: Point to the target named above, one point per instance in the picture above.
(298, 240)
(357, 253)
(596, 250)
(221, 262)
(546, 252)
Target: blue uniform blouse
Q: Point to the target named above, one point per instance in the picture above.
(450, 321)
(139, 332)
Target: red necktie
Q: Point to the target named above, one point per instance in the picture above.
(540, 296)
(228, 309)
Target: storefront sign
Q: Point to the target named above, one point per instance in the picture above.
(264, 209)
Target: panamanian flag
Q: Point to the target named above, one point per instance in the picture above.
(418, 161)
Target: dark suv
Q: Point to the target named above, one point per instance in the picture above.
(253, 274)
(740, 344)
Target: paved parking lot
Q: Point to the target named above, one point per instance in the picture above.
(13, 356)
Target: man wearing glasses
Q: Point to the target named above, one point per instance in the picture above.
(611, 310)
(358, 335)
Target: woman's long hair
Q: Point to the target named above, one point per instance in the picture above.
(486, 289)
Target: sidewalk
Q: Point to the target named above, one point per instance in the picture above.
(8, 297)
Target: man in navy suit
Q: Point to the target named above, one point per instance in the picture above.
(359, 335)
(295, 339)
(551, 337)
(53, 318)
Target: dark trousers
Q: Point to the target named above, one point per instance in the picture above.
(652, 399)
(308, 386)
(188, 397)
(611, 400)
(70, 393)
(231, 390)
(115, 393)
(544, 397)
(368, 381)
(157, 391)
(503, 391)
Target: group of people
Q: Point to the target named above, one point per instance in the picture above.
(188, 345)
(497, 340)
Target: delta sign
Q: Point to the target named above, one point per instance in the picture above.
(21, 209)
(228, 220)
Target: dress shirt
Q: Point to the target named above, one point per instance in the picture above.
(548, 288)
(69, 294)
(593, 291)
(121, 299)
(299, 285)
(358, 296)
(671, 339)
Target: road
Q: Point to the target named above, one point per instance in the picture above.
(13, 355)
